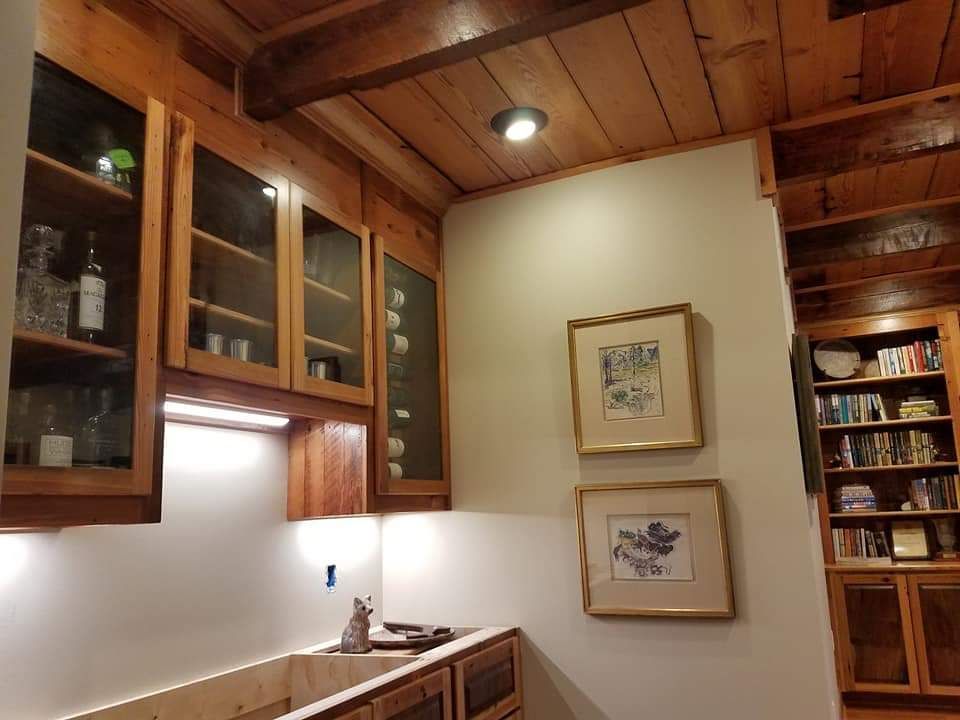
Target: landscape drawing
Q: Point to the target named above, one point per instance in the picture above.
(650, 547)
(631, 381)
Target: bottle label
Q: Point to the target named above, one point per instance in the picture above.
(400, 345)
(122, 158)
(56, 451)
(93, 294)
(395, 447)
(396, 471)
(393, 320)
(395, 371)
(402, 414)
(395, 298)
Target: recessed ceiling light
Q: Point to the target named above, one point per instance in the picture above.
(519, 123)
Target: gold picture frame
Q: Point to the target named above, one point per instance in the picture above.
(637, 576)
(657, 410)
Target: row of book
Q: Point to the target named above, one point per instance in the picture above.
(918, 408)
(936, 493)
(846, 409)
(922, 356)
(882, 449)
(855, 498)
(859, 545)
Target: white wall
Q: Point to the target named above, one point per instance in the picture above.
(90, 616)
(17, 20)
(687, 227)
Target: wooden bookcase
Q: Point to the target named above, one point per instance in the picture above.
(897, 626)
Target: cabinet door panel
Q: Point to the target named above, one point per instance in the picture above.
(935, 602)
(425, 699)
(876, 634)
(488, 683)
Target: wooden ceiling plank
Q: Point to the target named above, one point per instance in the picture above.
(892, 302)
(214, 24)
(840, 9)
(360, 131)
(803, 202)
(949, 70)
(879, 287)
(821, 58)
(263, 14)
(410, 37)
(325, 13)
(874, 213)
(416, 117)
(892, 134)
(850, 192)
(935, 270)
(902, 46)
(664, 37)
(532, 73)
(946, 176)
(739, 42)
(468, 93)
(903, 182)
(603, 59)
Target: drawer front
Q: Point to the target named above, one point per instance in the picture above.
(429, 698)
(488, 683)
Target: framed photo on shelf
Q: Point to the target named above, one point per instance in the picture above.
(634, 380)
(910, 540)
(656, 549)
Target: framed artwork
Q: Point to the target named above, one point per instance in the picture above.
(634, 380)
(656, 549)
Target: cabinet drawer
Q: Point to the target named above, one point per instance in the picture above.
(488, 683)
(426, 699)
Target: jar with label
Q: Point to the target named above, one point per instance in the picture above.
(395, 447)
(56, 444)
(395, 298)
(395, 470)
(393, 320)
(397, 344)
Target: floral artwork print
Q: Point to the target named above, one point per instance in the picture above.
(631, 381)
(645, 547)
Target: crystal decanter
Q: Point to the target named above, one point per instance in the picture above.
(43, 299)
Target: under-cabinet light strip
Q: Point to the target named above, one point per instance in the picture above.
(209, 412)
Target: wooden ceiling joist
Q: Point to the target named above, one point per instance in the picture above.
(392, 41)
(845, 8)
(867, 136)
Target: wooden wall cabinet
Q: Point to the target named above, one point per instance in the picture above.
(487, 686)
(84, 431)
(935, 606)
(429, 698)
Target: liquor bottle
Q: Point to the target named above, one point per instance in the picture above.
(97, 443)
(396, 298)
(395, 470)
(393, 319)
(395, 447)
(396, 371)
(397, 396)
(399, 417)
(91, 305)
(397, 344)
(16, 450)
(56, 444)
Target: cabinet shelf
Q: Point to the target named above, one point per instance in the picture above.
(894, 513)
(853, 382)
(889, 468)
(216, 251)
(230, 314)
(886, 423)
(326, 290)
(328, 345)
(65, 182)
(33, 346)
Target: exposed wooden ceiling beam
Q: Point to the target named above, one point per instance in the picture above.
(845, 8)
(869, 135)
(214, 24)
(394, 40)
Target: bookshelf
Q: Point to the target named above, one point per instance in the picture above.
(888, 437)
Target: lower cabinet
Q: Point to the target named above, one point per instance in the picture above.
(429, 698)
(897, 632)
(361, 714)
(487, 685)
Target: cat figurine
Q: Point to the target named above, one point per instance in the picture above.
(356, 636)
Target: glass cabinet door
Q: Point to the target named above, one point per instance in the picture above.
(410, 428)
(229, 291)
(330, 271)
(877, 634)
(81, 416)
(935, 601)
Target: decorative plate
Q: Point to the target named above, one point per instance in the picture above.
(837, 359)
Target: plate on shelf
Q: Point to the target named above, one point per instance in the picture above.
(837, 359)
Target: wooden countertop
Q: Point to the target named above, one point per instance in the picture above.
(474, 640)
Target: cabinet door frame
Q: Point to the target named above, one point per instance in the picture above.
(406, 486)
(38, 494)
(185, 136)
(301, 381)
(927, 686)
(393, 703)
(845, 649)
(463, 669)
